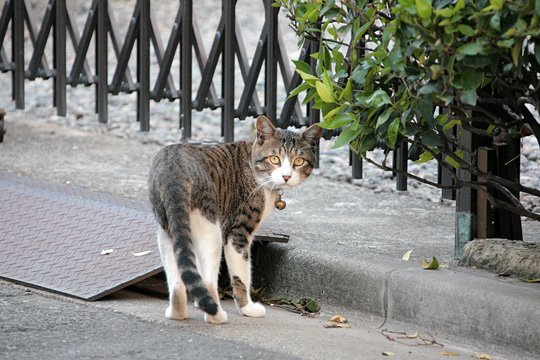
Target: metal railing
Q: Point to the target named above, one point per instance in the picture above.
(58, 24)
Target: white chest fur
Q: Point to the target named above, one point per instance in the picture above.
(270, 198)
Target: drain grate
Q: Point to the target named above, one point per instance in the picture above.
(56, 238)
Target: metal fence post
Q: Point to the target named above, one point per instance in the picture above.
(271, 61)
(401, 164)
(60, 57)
(18, 53)
(485, 220)
(101, 62)
(186, 68)
(143, 66)
(465, 199)
(228, 69)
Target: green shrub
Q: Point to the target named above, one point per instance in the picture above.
(424, 71)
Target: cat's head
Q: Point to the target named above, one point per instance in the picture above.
(283, 158)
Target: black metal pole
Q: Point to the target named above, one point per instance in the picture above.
(228, 70)
(314, 114)
(101, 62)
(18, 53)
(401, 164)
(60, 57)
(465, 199)
(186, 67)
(143, 66)
(357, 166)
(271, 61)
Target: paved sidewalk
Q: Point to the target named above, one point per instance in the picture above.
(346, 242)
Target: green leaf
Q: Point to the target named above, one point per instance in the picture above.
(302, 66)
(430, 88)
(516, 52)
(450, 124)
(310, 305)
(346, 94)
(330, 114)
(338, 121)
(472, 49)
(433, 265)
(393, 131)
(346, 136)
(360, 72)
(367, 143)
(424, 9)
(299, 89)
(469, 97)
(376, 99)
(537, 7)
(495, 21)
(452, 162)
(324, 91)
(383, 118)
(307, 76)
(424, 157)
(431, 138)
(506, 43)
(497, 4)
(466, 30)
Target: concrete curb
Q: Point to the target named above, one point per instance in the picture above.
(460, 302)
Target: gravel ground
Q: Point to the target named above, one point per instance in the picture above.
(206, 124)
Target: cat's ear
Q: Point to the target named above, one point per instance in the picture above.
(265, 129)
(312, 134)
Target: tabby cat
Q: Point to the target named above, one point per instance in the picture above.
(212, 199)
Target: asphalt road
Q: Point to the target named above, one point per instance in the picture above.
(38, 327)
(130, 325)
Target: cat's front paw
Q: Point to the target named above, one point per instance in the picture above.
(219, 318)
(253, 310)
(173, 314)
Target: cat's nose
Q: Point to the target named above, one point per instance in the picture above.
(286, 177)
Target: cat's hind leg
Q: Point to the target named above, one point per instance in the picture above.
(177, 308)
(238, 257)
(207, 246)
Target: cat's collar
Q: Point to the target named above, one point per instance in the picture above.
(280, 204)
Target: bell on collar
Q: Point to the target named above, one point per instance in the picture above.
(280, 204)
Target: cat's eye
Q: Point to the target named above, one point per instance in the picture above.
(299, 161)
(274, 159)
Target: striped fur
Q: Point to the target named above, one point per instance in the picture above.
(205, 198)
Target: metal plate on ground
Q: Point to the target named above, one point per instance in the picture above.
(72, 241)
(76, 242)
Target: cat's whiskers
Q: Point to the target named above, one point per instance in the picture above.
(262, 184)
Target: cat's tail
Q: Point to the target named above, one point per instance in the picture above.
(186, 261)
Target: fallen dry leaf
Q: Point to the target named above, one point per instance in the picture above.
(106, 251)
(531, 280)
(483, 356)
(388, 353)
(333, 325)
(142, 253)
(407, 255)
(433, 265)
(337, 321)
(414, 335)
(450, 353)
